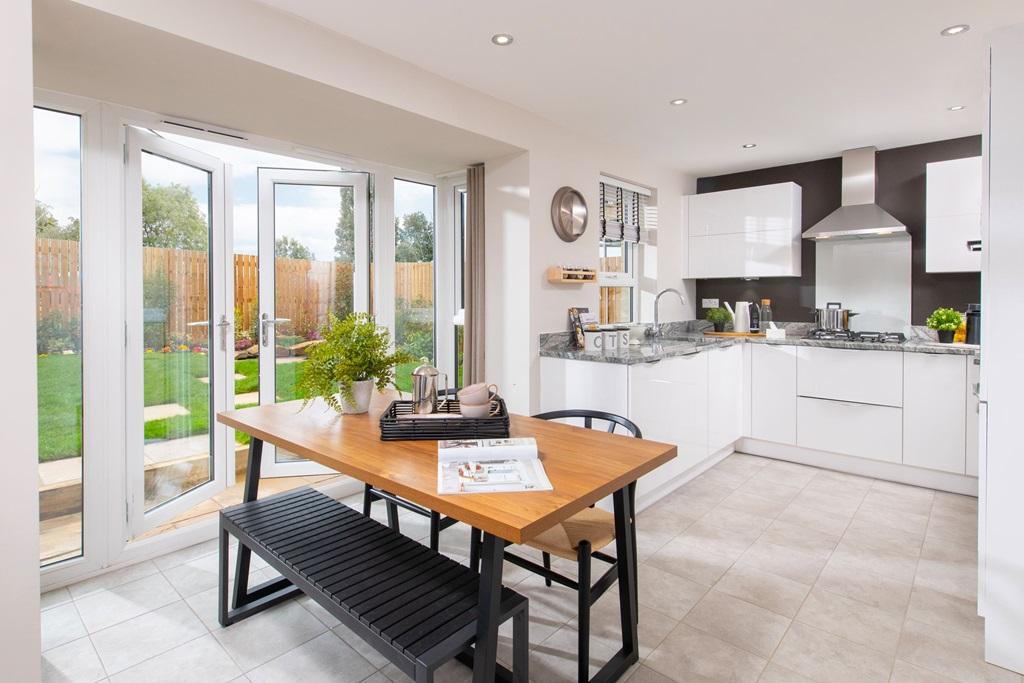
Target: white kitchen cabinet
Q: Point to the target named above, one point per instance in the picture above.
(972, 418)
(859, 429)
(748, 232)
(773, 393)
(953, 215)
(934, 411)
(668, 400)
(580, 384)
(725, 389)
(859, 375)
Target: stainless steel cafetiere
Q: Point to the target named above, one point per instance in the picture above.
(424, 388)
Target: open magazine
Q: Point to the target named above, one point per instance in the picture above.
(490, 466)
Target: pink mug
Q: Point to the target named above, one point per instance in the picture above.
(478, 394)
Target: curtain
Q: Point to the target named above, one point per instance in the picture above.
(473, 350)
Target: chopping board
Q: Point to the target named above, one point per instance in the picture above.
(734, 334)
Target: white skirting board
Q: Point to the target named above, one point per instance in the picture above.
(904, 474)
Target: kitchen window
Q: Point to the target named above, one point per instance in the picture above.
(626, 216)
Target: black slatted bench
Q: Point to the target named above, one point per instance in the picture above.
(416, 607)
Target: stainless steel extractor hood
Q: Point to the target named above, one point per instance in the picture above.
(859, 217)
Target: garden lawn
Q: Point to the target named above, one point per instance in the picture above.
(169, 378)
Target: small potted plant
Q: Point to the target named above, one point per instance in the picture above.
(719, 317)
(353, 357)
(945, 322)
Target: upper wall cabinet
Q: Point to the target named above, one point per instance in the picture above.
(749, 232)
(953, 230)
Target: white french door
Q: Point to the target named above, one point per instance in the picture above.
(178, 351)
(314, 260)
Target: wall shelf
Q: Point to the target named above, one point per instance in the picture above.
(567, 275)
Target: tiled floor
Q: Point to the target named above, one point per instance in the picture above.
(757, 570)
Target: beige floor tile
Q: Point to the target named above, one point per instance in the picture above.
(690, 561)
(885, 538)
(835, 503)
(930, 606)
(653, 627)
(54, 598)
(698, 496)
(687, 655)
(742, 524)
(770, 591)
(713, 538)
(753, 504)
(850, 579)
(865, 558)
(326, 658)
(112, 578)
(773, 673)
(785, 561)
(786, 473)
(669, 514)
(74, 662)
(723, 478)
(269, 634)
(643, 674)
(136, 640)
(742, 464)
(852, 620)
(800, 538)
(822, 521)
(828, 658)
(740, 623)
(947, 652)
(948, 568)
(113, 605)
(909, 499)
(780, 493)
(954, 526)
(60, 625)
(555, 660)
(955, 503)
(894, 519)
(202, 659)
(908, 673)
(666, 592)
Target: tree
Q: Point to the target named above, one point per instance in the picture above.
(414, 238)
(48, 226)
(289, 247)
(345, 232)
(171, 218)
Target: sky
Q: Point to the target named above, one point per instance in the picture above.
(308, 214)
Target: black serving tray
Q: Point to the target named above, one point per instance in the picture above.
(396, 428)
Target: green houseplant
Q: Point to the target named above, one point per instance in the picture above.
(719, 317)
(945, 321)
(354, 356)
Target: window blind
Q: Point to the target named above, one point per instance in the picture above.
(623, 213)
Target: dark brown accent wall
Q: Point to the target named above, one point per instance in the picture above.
(900, 190)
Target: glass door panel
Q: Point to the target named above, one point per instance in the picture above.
(177, 354)
(313, 225)
(414, 275)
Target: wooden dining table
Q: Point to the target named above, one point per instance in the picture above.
(584, 466)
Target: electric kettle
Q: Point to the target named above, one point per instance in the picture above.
(740, 316)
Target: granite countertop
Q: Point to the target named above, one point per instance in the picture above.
(687, 337)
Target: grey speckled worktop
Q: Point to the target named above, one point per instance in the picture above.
(687, 337)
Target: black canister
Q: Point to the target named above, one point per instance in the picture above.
(973, 324)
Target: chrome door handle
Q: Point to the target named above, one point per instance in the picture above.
(223, 326)
(265, 322)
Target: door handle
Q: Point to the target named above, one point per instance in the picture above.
(973, 245)
(265, 322)
(223, 326)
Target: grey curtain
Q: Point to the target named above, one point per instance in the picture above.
(473, 359)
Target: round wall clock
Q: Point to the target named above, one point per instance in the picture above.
(569, 214)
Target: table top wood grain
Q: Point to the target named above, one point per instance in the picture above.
(584, 465)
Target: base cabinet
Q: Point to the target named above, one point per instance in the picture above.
(935, 412)
(669, 402)
(859, 429)
(773, 393)
(725, 390)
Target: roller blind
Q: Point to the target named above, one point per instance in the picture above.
(623, 213)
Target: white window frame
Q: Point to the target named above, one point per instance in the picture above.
(107, 544)
(631, 254)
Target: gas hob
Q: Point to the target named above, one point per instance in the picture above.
(851, 336)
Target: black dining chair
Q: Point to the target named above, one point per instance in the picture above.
(437, 523)
(581, 538)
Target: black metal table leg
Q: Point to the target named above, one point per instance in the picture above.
(250, 491)
(485, 656)
(625, 551)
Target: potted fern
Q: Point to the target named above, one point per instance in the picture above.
(945, 322)
(718, 317)
(353, 357)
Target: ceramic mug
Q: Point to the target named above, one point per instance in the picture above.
(478, 409)
(593, 341)
(611, 340)
(478, 394)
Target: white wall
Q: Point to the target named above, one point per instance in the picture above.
(19, 538)
(520, 301)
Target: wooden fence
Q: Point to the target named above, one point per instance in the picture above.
(175, 286)
(614, 302)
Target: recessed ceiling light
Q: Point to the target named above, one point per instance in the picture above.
(955, 30)
(502, 39)
(956, 107)
(750, 145)
(676, 102)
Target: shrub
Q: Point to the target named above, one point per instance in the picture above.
(54, 334)
(945, 319)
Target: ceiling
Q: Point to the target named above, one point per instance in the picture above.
(84, 51)
(802, 79)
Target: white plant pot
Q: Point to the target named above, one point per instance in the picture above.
(362, 392)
